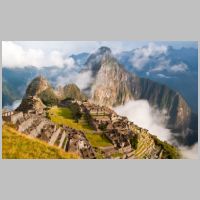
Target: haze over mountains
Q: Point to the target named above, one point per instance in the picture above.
(113, 80)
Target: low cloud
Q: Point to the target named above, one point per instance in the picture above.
(143, 55)
(14, 105)
(14, 55)
(163, 76)
(155, 58)
(81, 79)
(142, 114)
(179, 67)
(190, 152)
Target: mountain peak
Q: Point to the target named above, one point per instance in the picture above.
(104, 50)
(37, 85)
(73, 91)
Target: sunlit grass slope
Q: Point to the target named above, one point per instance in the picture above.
(19, 146)
(64, 116)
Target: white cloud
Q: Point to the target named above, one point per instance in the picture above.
(81, 79)
(190, 152)
(142, 114)
(14, 105)
(143, 55)
(162, 64)
(163, 76)
(14, 55)
(179, 67)
(69, 62)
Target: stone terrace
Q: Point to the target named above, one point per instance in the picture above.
(38, 126)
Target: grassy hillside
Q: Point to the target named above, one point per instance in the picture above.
(19, 146)
(64, 116)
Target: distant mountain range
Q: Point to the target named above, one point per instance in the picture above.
(116, 79)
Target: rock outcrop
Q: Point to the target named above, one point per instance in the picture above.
(114, 86)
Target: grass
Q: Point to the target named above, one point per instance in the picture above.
(19, 146)
(116, 155)
(63, 116)
(98, 140)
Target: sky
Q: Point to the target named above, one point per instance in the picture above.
(48, 53)
(73, 47)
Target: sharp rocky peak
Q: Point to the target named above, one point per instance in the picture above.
(37, 85)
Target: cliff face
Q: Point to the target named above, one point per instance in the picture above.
(114, 86)
(111, 87)
(41, 89)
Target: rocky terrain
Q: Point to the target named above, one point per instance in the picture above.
(114, 86)
(116, 137)
(126, 140)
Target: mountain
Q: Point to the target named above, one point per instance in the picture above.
(37, 85)
(114, 86)
(99, 132)
(15, 81)
(165, 68)
(115, 81)
(80, 58)
(73, 92)
(40, 89)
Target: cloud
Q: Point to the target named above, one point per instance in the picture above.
(82, 79)
(179, 67)
(14, 55)
(142, 114)
(163, 76)
(155, 58)
(161, 64)
(190, 152)
(143, 55)
(14, 105)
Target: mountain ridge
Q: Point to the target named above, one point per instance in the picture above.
(114, 86)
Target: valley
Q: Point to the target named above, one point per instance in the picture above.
(91, 132)
(83, 122)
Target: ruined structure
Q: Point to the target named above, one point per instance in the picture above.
(128, 141)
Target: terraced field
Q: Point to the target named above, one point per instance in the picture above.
(63, 116)
(19, 146)
(144, 147)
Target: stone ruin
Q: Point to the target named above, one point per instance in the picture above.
(118, 129)
(30, 118)
(38, 126)
(31, 104)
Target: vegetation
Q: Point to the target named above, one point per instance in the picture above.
(116, 155)
(98, 140)
(76, 113)
(19, 146)
(64, 116)
(48, 97)
(103, 126)
(170, 152)
(73, 92)
(134, 142)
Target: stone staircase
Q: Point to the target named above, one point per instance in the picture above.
(63, 137)
(145, 146)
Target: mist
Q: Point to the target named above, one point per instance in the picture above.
(14, 105)
(142, 114)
